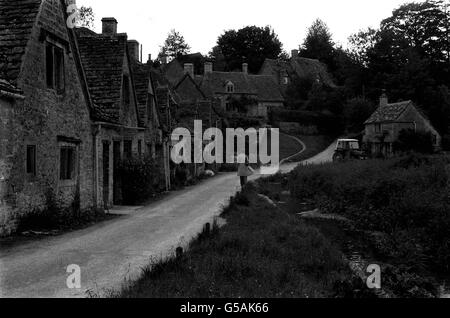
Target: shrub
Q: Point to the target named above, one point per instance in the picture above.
(406, 195)
(141, 179)
(410, 140)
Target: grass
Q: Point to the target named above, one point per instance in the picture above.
(260, 252)
(289, 146)
(404, 200)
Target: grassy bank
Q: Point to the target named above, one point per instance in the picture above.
(260, 252)
(402, 203)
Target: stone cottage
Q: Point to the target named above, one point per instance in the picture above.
(238, 93)
(285, 72)
(46, 136)
(383, 127)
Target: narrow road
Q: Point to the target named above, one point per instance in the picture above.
(115, 251)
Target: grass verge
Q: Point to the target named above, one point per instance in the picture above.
(260, 252)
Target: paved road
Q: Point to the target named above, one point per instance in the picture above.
(112, 252)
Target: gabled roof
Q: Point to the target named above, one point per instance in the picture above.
(142, 82)
(102, 57)
(300, 67)
(388, 112)
(266, 88)
(17, 19)
(215, 83)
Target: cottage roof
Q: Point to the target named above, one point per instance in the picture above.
(266, 88)
(389, 112)
(216, 82)
(103, 60)
(142, 81)
(17, 19)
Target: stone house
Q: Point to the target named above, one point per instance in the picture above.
(257, 94)
(285, 72)
(383, 127)
(46, 134)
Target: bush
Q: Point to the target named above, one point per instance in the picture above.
(406, 195)
(141, 178)
(410, 140)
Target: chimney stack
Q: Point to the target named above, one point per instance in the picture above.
(149, 61)
(294, 53)
(384, 99)
(189, 69)
(109, 26)
(133, 48)
(245, 68)
(208, 67)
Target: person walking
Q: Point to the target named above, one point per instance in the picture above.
(244, 169)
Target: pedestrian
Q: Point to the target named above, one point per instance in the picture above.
(244, 169)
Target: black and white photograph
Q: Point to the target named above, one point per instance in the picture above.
(223, 156)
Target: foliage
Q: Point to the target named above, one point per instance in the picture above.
(86, 17)
(407, 196)
(174, 46)
(141, 178)
(356, 112)
(319, 44)
(250, 45)
(410, 140)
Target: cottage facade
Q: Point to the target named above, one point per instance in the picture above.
(383, 127)
(46, 139)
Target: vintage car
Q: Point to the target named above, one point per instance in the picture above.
(348, 149)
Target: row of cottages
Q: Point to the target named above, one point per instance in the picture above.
(69, 111)
(233, 93)
(383, 127)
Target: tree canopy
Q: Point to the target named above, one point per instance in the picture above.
(250, 45)
(174, 46)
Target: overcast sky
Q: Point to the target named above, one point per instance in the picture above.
(202, 21)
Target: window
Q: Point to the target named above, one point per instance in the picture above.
(126, 90)
(31, 160)
(67, 163)
(228, 107)
(285, 80)
(55, 67)
(377, 128)
(127, 148)
(230, 87)
(140, 147)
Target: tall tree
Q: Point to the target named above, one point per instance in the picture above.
(174, 46)
(250, 45)
(319, 44)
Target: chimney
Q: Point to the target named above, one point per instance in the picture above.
(245, 68)
(189, 69)
(133, 48)
(384, 99)
(149, 61)
(109, 26)
(294, 53)
(208, 67)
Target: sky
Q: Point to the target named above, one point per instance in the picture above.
(201, 22)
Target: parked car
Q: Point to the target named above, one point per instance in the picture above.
(348, 149)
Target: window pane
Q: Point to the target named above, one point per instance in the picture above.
(67, 163)
(59, 68)
(49, 65)
(31, 160)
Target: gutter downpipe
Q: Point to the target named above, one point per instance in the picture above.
(95, 146)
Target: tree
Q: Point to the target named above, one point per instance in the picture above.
(174, 46)
(356, 112)
(319, 44)
(86, 17)
(250, 45)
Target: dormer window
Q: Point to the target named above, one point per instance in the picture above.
(230, 87)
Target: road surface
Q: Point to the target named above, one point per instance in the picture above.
(115, 251)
